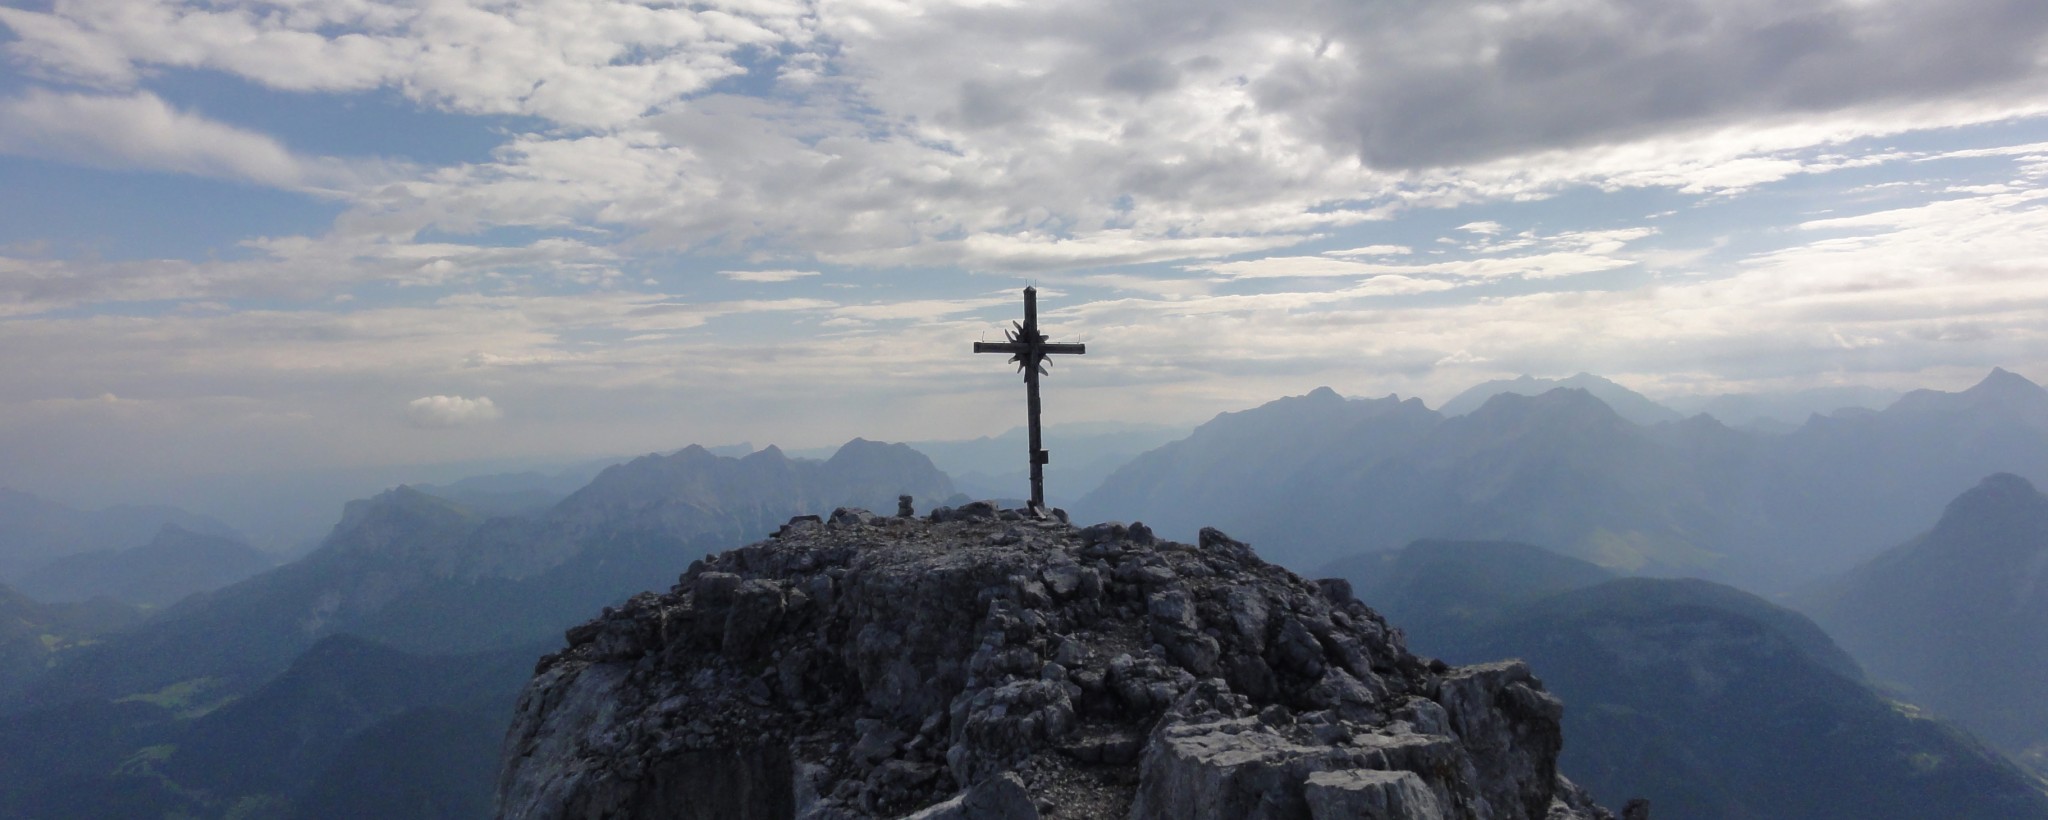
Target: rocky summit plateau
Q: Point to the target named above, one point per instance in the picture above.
(990, 663)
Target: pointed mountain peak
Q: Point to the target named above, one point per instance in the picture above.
(2000, 390)
(2004, 382)
(1999, 525)
(768, 453)
(861, 449)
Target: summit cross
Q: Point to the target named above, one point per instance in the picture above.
(1029, 349)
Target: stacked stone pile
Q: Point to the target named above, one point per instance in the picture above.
(994, 663)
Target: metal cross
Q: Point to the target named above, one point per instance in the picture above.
(1029, 349)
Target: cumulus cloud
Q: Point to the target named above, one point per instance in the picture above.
(450, 411)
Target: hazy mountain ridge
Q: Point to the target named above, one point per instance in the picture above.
(240, 635)
(279, 751)
(1564, 470)
(1440, 592)
(1626, 403)
(33, 634)
(1712, 702)
(1228, 472)
(638, 522)
(1083, 454)
(1849, 484)
(1958, 616)
(269, 664)
(1782, 411)
(35, 531)
(1353, 475)
(174, 564)
(1707, 700)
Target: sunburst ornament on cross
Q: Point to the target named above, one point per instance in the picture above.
(1029, 350)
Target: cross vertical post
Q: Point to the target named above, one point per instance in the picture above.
(1030, 351)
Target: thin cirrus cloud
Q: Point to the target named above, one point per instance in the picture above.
(766, 276)
(451, 411)
(139, 131)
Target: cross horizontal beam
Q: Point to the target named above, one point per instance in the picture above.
(1020, 347)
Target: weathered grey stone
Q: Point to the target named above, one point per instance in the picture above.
(1102, 672)
(1356, 794)
(1500, 711)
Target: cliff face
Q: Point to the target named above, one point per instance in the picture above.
(985, 663)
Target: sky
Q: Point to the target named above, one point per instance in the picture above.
(240, 236)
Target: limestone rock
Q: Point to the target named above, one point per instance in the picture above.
(995, 663)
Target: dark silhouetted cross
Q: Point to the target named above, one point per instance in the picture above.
(1029, 349)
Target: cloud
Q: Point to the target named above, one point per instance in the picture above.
(1109, 137)
(1440, 84)
(1537, 256)
(139, 131)
(450, 411)
(297, 267)
(585, 63)
(766, 275)
(1373, 250)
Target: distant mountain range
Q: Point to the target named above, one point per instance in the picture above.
(370, 677)
(1707, 700)
(174, 564)
(1782, 412)
(33, 634)
(1957, 618)
(1625, 402)
(1083, 454)
(429, 575)
(1319, 476)
(293, 692)
(35, 531)
(1771, 412)
(351, 729)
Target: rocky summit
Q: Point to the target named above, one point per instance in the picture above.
(993, 663)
